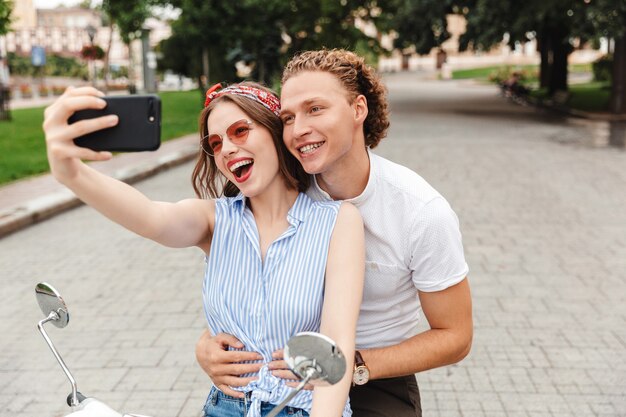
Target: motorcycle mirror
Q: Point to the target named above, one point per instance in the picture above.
(317, 357)
(50, 301)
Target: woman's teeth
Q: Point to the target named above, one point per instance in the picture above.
(309, 148)
(239, 164)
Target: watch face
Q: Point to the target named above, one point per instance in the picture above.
(361, 375)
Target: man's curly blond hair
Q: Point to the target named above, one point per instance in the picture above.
(356, 77)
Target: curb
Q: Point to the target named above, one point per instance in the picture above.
(605, 117)
(49, 205)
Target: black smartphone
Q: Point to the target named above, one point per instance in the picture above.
(138, 129)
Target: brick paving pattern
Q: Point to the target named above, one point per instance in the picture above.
(542, 204)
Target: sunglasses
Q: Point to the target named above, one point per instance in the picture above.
(237, 133)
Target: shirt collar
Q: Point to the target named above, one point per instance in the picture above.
(300, 209)
(238, 201)
(296, 214)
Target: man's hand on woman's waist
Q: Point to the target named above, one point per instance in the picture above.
(225, 366)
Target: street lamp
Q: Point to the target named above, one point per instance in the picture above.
(91, 32)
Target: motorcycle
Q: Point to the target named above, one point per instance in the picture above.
(314, 358)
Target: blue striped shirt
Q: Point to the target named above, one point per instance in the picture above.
(264, 303)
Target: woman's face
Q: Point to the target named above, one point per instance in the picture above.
(244, 150)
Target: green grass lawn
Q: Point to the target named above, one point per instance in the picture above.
(592, 97)
(181, 110)
(22, 145)
(483, 73)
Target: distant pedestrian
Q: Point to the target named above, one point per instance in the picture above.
(513, 87)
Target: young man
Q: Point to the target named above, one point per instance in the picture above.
(334, 109)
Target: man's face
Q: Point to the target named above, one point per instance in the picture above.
(320, 123)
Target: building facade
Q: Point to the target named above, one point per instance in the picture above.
(66, 30)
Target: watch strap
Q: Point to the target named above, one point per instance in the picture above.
(358, 359)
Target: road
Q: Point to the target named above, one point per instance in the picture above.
(542, 205)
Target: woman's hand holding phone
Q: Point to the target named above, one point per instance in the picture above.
(63, 154)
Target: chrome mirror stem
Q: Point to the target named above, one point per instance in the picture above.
(310, 373)
(52, 317)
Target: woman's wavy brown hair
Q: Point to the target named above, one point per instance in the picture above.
(356, 77)
(208, 181)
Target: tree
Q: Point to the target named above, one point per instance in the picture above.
(328, 24)
(420, 24)
(257, 39)
(262, 33)
(128, 17)
(554, 24)
(200, 41)
(609, 20)
(6, 7)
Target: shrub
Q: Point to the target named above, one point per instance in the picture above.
(115, 72)
(26, 91)
(20, 65)
(56, 65)
(62, 66)
(603, 68)
(57, 90)
(504, 73)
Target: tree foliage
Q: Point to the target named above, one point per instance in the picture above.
(421, 24)
(128, 16)
(608, 18)
(554, 24)
(199, 42)
(6, 7)
(261, 33)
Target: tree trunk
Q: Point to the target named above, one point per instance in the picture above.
(545, 64)
(132, 88)
(205, 66)
(618, 86)
(105, 70)
(560, 51)
(262, 72)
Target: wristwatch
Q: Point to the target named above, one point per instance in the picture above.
(361, 373)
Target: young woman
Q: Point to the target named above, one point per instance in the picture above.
(277, 263)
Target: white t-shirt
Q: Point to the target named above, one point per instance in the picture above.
(412, 242)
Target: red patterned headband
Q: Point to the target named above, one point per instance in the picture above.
(267, 99)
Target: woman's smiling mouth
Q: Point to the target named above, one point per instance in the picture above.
(241, 169)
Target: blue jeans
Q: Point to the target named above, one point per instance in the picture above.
(219, 404)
